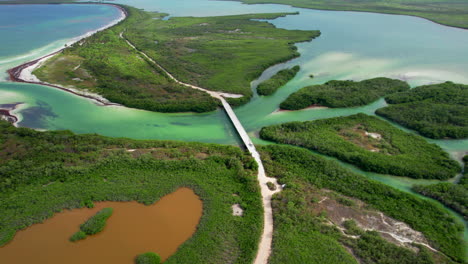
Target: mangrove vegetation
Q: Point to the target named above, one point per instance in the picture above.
(303, 233)
(271, 85)
(336, 94)
(93, 225)
(453, 195)
(369, 143)
(435, 111)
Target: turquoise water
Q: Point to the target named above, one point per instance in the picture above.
(31, 31)
(352, 46)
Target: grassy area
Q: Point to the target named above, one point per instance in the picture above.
(435, 111)
(105, 64)
(453, 195)
(448, 12)
(218, 53)
(369, 143)
(42, 173)
(271, 85)
(303, 238)
(343, 93)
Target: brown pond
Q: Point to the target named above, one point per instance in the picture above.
(132, 229)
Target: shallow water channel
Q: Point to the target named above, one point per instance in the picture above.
(132, 229)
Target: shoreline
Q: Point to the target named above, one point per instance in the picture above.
(24, 73)
(7, 115)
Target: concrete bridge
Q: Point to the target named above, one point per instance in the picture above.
(264, 248)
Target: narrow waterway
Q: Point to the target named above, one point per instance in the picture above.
(132, 229)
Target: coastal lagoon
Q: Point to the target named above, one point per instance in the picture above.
(353, 45)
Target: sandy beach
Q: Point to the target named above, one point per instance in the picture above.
(24, 72)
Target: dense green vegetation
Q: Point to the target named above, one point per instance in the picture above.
(435, 111)
(105, 64)
(295, 236)
(148, 258)
(343, 93)
(97, 222)
(282, 77)
(451, 12)
(453, 195)
(42, 173)
(301, 236)
(369, 143)
(218, 53)
(79, 235)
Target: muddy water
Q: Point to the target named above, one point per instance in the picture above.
(132, 229)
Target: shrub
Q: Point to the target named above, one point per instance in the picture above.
(78, 236)
(148, 258)
(97, 222)
(271, 186)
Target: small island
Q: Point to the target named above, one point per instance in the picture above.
(93, 225)
(271, 85)
(337, 94)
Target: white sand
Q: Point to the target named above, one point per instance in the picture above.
(27, 75)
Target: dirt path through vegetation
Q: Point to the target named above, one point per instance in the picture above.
(214, 94)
